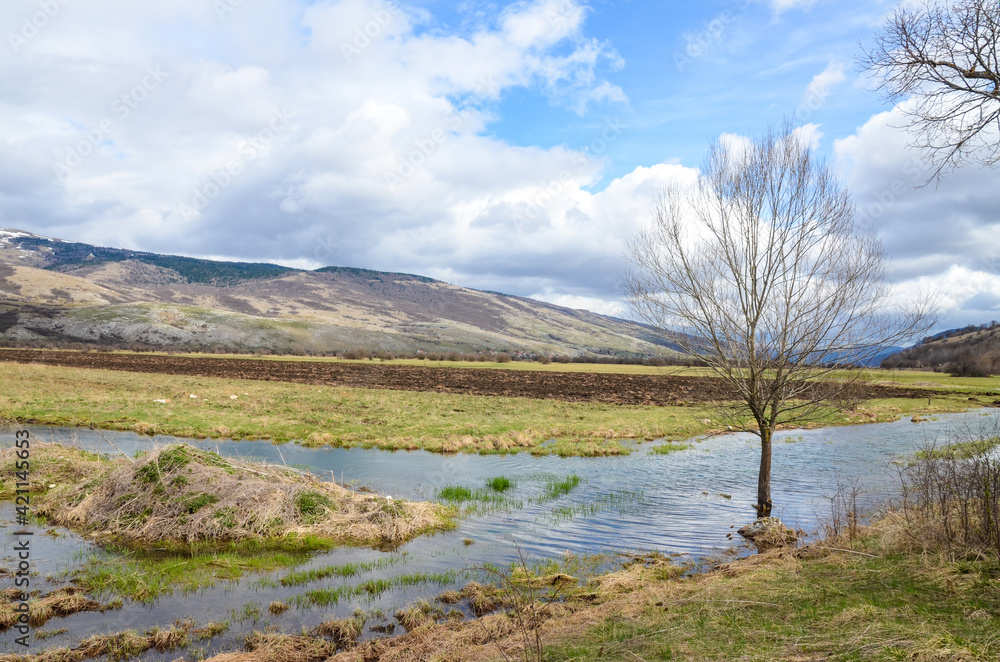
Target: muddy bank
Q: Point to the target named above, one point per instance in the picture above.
(609, 388)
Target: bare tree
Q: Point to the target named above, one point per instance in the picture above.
(944, 58)
(761, 270)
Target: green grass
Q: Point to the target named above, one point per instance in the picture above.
(961, 450)
(341, 570)
(499, 483)
(623, 502)
(372, 588)
(557, 487)
(666, 449)
(126, 573)
(313, 506)
(323, 415)
(369, 418)
(833, 606)
(455, 494)
(478, 501)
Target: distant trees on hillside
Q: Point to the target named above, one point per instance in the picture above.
(973, 351)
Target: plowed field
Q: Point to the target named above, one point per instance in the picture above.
(571, 386)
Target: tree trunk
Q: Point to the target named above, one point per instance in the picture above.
(764, 477)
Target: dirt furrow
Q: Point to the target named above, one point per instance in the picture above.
(621, 389)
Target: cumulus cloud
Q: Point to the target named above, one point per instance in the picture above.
(942, 238)
(820, 87)
(309, 133)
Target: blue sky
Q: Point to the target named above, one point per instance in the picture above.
(502, 146)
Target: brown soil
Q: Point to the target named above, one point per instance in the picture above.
(619, 389)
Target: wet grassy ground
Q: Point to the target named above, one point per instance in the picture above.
(371, 418)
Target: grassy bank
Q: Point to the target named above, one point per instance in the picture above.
(873, 603)
(180, 495)
(921, 582)
(208, 518)
(877, 596)
(325, 415)
(393, 420)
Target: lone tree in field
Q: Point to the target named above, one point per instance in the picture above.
(761, 270)
(944, 58)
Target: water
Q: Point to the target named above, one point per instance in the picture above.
(686, 502)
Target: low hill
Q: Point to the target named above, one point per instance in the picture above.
(60, 292)
(973, 351)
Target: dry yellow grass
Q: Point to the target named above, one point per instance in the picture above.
(183, 494)
(62, 602)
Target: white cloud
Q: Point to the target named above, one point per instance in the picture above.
(334, 132)
(600, 306)
(821, 86)
(941, 238)
(781, 6)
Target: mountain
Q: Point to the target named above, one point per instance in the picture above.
(58, 292)
(973, 351)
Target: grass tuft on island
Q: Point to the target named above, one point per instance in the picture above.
(182, 495)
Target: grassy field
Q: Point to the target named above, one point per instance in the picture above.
(394, 420)
(816, 604)
(907, 378)
(877, 596)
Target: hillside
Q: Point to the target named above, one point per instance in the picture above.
(973, 351)
(60, 292)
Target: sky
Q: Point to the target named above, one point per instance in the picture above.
(513, 147)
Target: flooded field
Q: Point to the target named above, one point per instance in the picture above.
(579, 512)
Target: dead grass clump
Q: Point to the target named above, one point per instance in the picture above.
(53, 655)
(56, 470)
(118, 646)
(629, 580)
(342, 632)
(185, 494)
(209, 630)
(169, 639)
(10, 595)
(420, 614)
(483, 599)
(62, 602)
(768, 533)
(450, 598)
(286, 648)
(277, 607)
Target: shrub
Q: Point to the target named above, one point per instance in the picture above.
(951, 496)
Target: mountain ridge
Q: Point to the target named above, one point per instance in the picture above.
(971, 351)
(56, 291)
